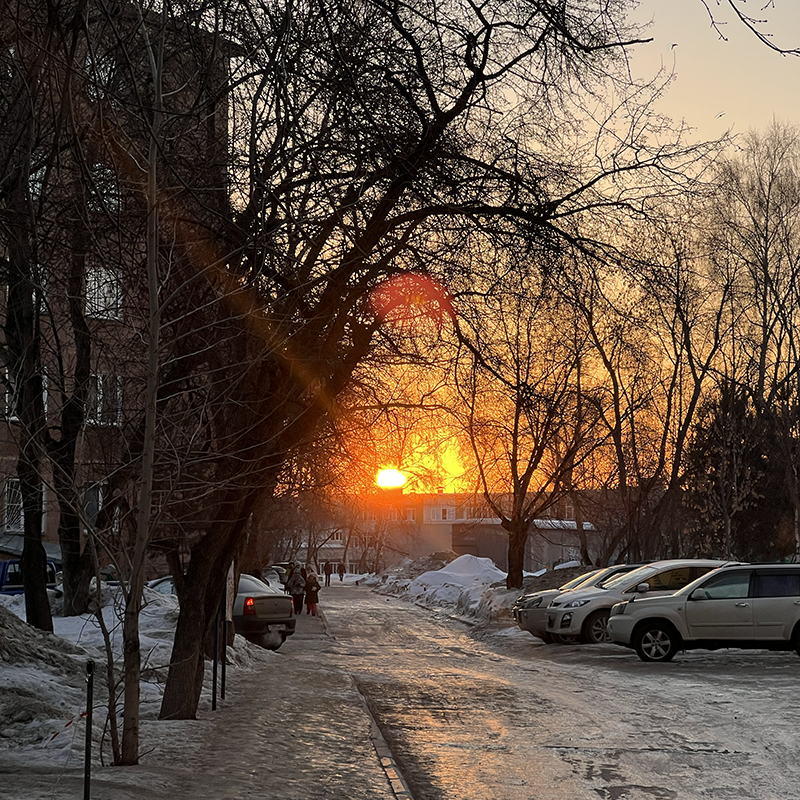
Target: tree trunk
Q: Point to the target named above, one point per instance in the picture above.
(22, 339)
(203, 586)
(517, 539)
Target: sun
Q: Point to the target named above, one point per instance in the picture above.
(390, 479)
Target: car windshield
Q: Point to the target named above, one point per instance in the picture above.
(612, 573)
(630, 578)
(579, 581)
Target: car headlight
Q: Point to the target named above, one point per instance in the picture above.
(618, 609)
(576, 603)
(534, 602)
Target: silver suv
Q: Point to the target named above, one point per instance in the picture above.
(739, 605)
(530, 610)
(582, 613)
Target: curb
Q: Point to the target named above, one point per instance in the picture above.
(396, 781)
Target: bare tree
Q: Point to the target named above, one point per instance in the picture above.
(529, 408)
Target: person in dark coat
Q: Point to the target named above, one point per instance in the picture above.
(296, 587)
(340, 570)
(328, 572)
(312, 592)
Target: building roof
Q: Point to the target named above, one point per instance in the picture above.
(12, 544)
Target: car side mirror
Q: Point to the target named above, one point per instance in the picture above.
(698, 594)
(643, 587)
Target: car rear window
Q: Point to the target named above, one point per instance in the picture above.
(249, 583)
(777, 584)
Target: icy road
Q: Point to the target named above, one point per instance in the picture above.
(482, 715)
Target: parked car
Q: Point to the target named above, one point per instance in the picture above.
(282, 568)
(739, 605)
(530, 609)
(582, 614)
(11, 576)
(261, 613)
(275, 576)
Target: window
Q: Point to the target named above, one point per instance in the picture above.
(777, 584)
(10, 406)
(448, 513)
(729, 586)
(12, 511)
(411, 514)
(95, 497)
(10, 395)
(13, 576)
(569, 511)
(104, 406)
(394, 514)
(103, 293)
(674, 579)
(336, 536)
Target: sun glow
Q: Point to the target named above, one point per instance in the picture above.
(390, 479)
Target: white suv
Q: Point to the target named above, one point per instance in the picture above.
(530, 610)
(740, 605)
(582, 614)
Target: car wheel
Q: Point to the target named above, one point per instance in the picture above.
(563, 639)
(796, 641)
(657, 642)
(545, 637)
(594, 629)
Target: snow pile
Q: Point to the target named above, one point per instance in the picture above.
(43, 675)
(469, 587)
(462, 584)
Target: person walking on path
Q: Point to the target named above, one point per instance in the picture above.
(328, 572)
(312, 592)
(296, 586)
(340, 570)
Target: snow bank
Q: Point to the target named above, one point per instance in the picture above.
(468, 587)
(43, 675)
(460, 584)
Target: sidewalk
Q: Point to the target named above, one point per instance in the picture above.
(296, 728)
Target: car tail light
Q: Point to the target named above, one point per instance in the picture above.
(249, 606)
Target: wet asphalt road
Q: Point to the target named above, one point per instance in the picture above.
(480, 715)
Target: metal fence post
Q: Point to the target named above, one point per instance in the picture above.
(87, 765)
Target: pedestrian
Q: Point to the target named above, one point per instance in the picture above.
(312, 592)
(289, 571)
(296, 587)
(328, 572)
(340, 570)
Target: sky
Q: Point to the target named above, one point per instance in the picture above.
(737, 84)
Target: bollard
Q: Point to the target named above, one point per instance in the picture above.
(224, 657)
(216, 659)
(87, 765)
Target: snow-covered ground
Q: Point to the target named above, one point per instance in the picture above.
(43, 676)
(721, 719)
